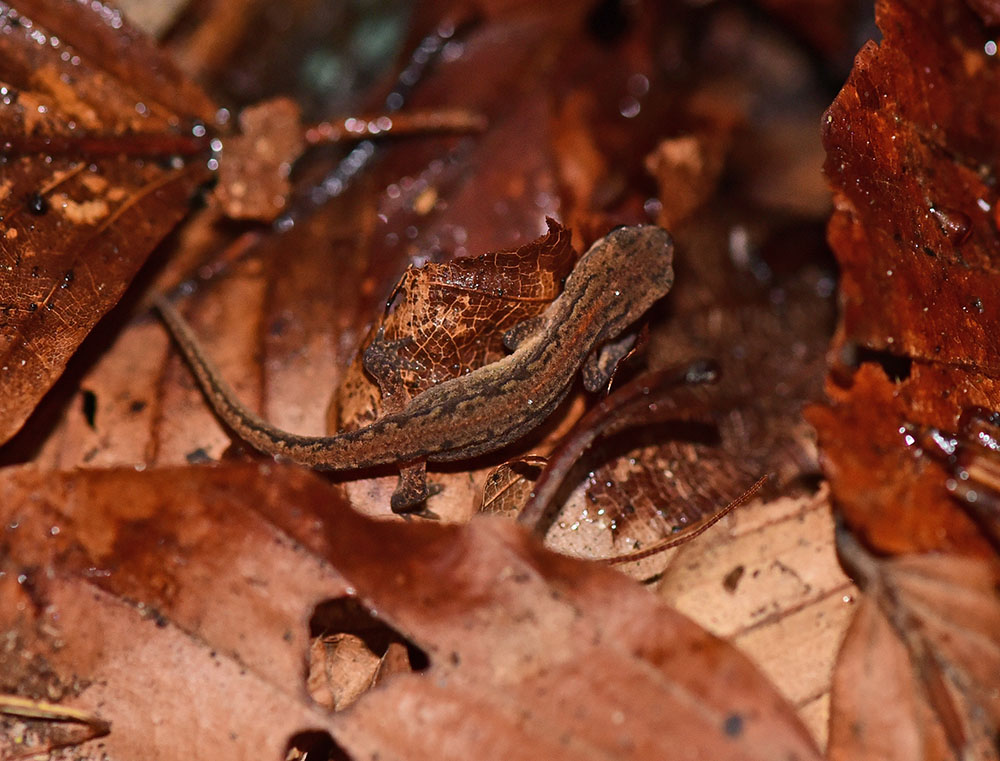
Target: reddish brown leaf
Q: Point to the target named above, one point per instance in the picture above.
(77, 227)
(102, 34)
(911, 147)
(910, 143)
(892, 495)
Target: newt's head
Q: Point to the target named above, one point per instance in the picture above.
(625, 272)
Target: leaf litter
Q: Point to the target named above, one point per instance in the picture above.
(565, 141)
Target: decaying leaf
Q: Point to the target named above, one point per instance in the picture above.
(533, 651)
(451, 318)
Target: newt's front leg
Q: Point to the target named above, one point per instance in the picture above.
(413, 490)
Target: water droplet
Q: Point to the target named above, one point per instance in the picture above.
(452, 51)
(37, 204)
(638, 85)
(629, 107)
(955, 224)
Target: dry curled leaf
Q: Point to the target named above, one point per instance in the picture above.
(450, 318)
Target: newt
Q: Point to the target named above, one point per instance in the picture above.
(610, 288)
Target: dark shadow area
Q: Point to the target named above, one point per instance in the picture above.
(346, 615)
(315, 745)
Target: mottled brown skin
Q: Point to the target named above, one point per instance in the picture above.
(610, 287)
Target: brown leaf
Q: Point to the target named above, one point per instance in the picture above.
(78, 224)
(509, 486)
(450, 319)
(885, 490)
(918, 676)
(910, 145)
(538, 653)
(255, 165)
(767, 579)
(686, 169)
(341, 669)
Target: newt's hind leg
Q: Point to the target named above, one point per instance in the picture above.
(412, 491)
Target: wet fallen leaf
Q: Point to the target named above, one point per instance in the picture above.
(911, 151)
(915, 237)
(79, 218)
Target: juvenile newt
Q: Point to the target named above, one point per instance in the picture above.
(610, 287)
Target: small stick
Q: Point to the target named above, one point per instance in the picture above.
(447, 120)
